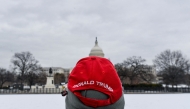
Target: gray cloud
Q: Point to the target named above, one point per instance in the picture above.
(59, 33)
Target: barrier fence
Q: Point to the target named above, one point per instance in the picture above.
(32, 91)
(157, 90)
(127, 90)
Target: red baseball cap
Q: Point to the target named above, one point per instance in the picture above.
(95, 73)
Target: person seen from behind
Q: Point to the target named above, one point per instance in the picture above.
(94, 84)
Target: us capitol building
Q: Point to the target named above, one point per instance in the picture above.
(95, 51)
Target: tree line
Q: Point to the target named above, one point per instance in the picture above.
(26, 69)
(171, 66)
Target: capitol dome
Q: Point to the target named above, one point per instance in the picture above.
(96, 50)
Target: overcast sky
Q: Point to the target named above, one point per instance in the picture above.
(60, 32)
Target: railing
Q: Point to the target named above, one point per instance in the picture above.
(32, 91)
(127, 90)
(157, 90)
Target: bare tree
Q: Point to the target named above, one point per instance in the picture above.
(42, 77)
(137, 69)
(147, 74)
(31, 78)
(187, 79)
(122, 71)
(26, 66)
(172, 65)
(5, 76)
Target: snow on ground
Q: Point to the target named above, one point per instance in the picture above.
(132, 101)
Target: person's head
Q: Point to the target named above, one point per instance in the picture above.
(94, 84)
